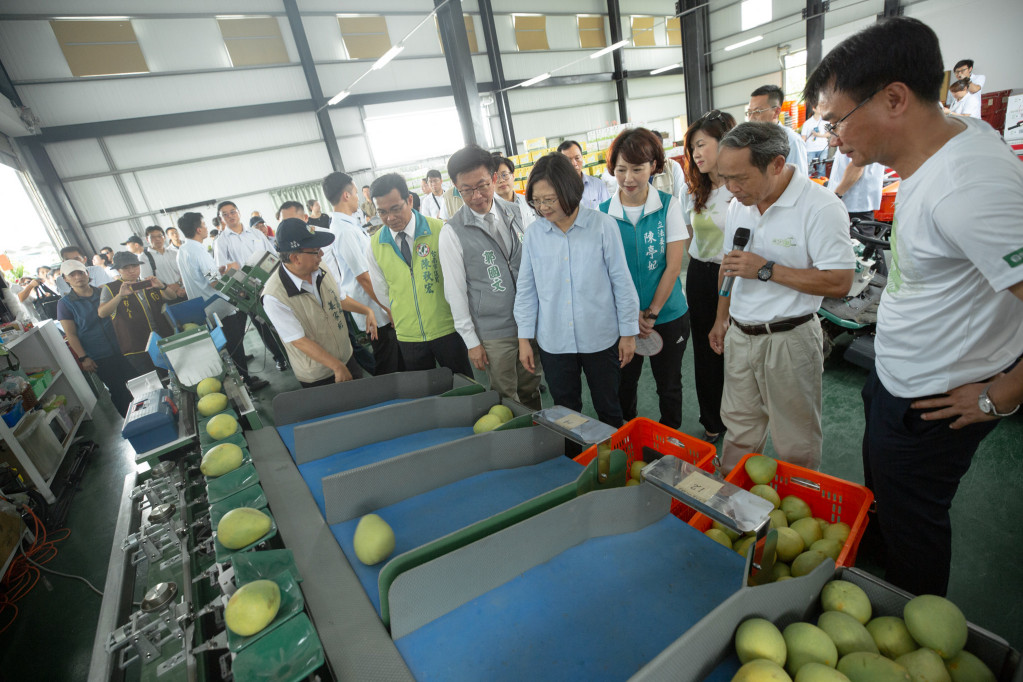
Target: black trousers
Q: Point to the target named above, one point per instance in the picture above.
(862, 215)
(386, 353)
(269, 340)
(361, 354)
(353, 367)
(115, 372)
(603, 375)
(667, 370)
(447, 351)
(234, 332)
(913, 468)
(702, 295)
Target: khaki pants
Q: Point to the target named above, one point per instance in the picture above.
(774, 380)
(507, 375)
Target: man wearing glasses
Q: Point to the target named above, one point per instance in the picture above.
(405, 270)
(480, 250)
(764, 107)
(594, 190)
(950, 322)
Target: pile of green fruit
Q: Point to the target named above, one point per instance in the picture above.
(847, 645)
(498, 415)
(804, 541)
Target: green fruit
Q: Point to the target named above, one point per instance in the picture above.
(759, 638)
(188, 326)
(846, 632)
(631, 481)
(487, 422)
(822, 523)
(795, 508)
(241, 527)
(866, 667)
(807, 561)
(374, 540)
(936, 623)
(761, 670)
(743, 545)
(818, 672)
(778, 519)
(789, 545)
(221, 459)
(718, 537)
(925, 666)
(832, 548)
(207, 386)
(768, 493)
(502, 412)
(761, 469)
(807, 529)
(637, 469)
(837, 531)
(780, 570)
(891, 636)
(784, 577)
(732, 535)
(807, 643)
(211, 403)
(842, 595)
(221, 426)
(965, 667)
(252, 607)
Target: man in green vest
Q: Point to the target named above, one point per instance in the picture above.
(405, 270)
(303, 304)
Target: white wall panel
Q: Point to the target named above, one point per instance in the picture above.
(529, 99)
(107, 100)
(121, 7)
(110, 235)
(355, 153)
(96, 199)
(182, 144)
(558, 124)
(544, 6)
(346, 121)
(657, 85)
(410, 106)
(523, 65)
(736, 95)
(644, 58)
(656, 8)
(138, 199)
(324, 35)
(481, 65)
(652, 110)
(400, 74)
(78, 157)
(726, 22)
(181, 44)
(423, 6)
(748, 65)
(29, 50)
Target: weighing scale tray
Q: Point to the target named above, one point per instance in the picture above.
(592, 589)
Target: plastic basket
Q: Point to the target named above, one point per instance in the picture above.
(830, 498)
(642, 432)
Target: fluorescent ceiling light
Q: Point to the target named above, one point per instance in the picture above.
(535, 80)
(665, 68)
(743, 43)
(92, 18)
(609, 48)
(338, 97)
(388, 56)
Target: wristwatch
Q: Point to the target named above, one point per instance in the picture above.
(649, 314)
(987, 406)
(764, 273)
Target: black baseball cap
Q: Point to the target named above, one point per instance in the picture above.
(123, 259)
(293, 235)
(134, 239)
(255, 220)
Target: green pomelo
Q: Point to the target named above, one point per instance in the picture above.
(846, 632)
(925, 666)
(252, 607)
(936, 623)
(795, 508)
(211, 403)
(790, 544)
(842, 595)
(241, 527)
(759, 638)
(866, 667)
(761, 469)
(768, 493)
(891, 636)
(718, 537)
(374, 540)
(221, 459)
(807, 643)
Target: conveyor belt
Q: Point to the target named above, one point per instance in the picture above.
(288, 431)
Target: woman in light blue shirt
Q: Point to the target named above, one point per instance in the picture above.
(575, 295)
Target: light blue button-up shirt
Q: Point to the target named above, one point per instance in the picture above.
(197, 270)
(574, 292)
(594, 192)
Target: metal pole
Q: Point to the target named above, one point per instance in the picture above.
(460, 71)
(614, 18)
(497, 74)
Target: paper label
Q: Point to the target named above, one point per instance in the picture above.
(571, 421)
(699, 486)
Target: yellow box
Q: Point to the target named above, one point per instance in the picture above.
(535, 144)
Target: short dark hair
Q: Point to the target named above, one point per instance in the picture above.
(383, 185)
(153, 228)
(222, 204)
(774, 94)
(214, 233)
(968, 63)
(188, 223)
(958, 86)
(503, 161)
(416, 203)
(71, 248)
(895, 50)
(309, 204)
(637, 145)
(106, 248)
(365, 186)
(105, 257)
(216, 221)
(562, 176)
(715, 123)
(765, 141)
(171, 228)
(291, 204)
(433, 173)
(334, 185)
(46, 267)
(468, 159)
(568, 144)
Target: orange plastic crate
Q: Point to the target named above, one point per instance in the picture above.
(837, 500)
(642, 432)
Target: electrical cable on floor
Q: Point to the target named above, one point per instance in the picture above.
(63, 575)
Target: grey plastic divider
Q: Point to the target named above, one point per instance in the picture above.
(354, 640)
(347, 432)
(427, 592)
(310, 403)
(354, 493)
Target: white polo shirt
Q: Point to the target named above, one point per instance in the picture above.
(807, 227)
(946, 318)
(863, 196)
(238, 247)
(349, 249)
(430, 205)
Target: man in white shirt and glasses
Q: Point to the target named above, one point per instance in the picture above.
(432, 203)
(765, 107)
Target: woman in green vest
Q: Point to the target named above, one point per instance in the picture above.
(655, 237)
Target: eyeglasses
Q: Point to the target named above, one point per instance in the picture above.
(754, 112)
(715, 115)
(468, 192)
(831, 128)
(543, 203)
(503, 176)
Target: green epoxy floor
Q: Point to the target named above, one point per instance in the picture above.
(52, 636)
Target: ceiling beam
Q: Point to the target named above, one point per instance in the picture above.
(614, 18)
(695, 56)
(497, 73)
(460, 71)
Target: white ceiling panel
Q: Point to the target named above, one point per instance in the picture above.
(542, 6)
(29, 50)
(654, 109)
(324, 35)
(410, 106)
(523, 65)
(122, 8)
(423, 6)
(559, 124)
(401, 74)
(78, 157)
(657, 85)
(737, 94)
(110, 235)
(182, 144)
(106, 100)
(354, 153)
(96, 199)
(643, 58)
(346, 121)
(481, 67)
(181, 44)
(138, 200)
(529, 99)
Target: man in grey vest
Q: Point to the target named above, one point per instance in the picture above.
(479, 255)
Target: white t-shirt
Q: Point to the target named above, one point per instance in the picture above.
(282, 317)
(814, 144)
(430, 205)
(974, 78)
(707, 226)
(946, 318)
(349, 250)
(675, 229)
(967, 106)
(865, 194)
(797, 151)
(807, 227)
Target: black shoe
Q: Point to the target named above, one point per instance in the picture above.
(282, 365)
(250, 356)
(254, 383)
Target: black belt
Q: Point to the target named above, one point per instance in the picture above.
(772, 327)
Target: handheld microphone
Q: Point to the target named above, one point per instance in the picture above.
(739, 242)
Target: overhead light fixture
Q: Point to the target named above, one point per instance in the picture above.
(338, 97)
(388, 56)
(743, 43)
(665, 68)
(535, 80)
(609, 48)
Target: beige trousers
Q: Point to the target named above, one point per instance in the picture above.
(507, 375)
(773, 381)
